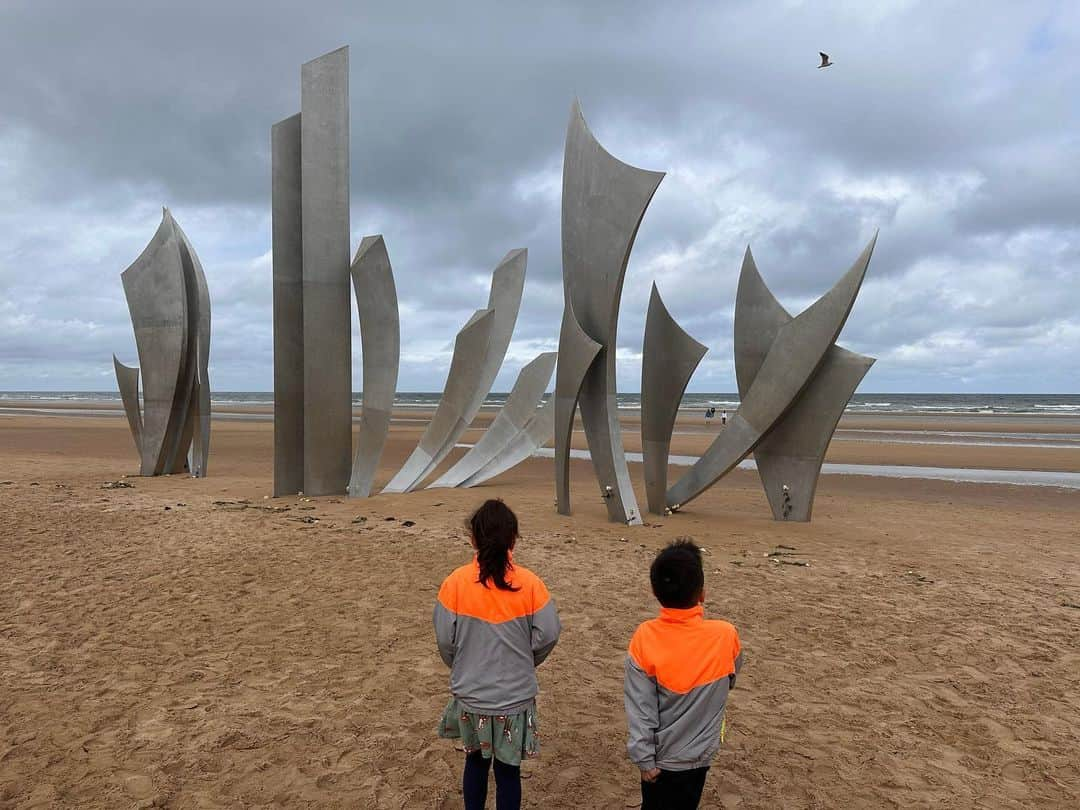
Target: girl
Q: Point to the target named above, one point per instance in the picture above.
(494, 623)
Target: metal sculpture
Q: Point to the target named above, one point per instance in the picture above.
(669, 357)
(380, 337)
(537, 432)
(449, 420)
(169, 303)
(603, 202)
(776, 373)
(508, 424)
(470, 377)
(789, 456)
(199, 356)
(312, 321)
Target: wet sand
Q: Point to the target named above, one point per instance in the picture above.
(194, 644)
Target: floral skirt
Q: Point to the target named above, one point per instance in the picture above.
(509, 737)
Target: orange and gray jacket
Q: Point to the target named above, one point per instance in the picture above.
(492, 639)
(679, 669)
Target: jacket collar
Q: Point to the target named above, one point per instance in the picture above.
(682, 615)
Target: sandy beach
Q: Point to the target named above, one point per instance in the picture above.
(190, 643)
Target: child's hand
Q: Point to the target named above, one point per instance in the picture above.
(650, 775)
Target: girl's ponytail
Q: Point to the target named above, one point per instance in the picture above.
(494, 530)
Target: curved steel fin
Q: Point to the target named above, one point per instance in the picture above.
(538, 432)
(198, 413)
(577, 351)
(154, 286)
(794, 356)
(449, 422)
(504, 301)
(603, 203)
(127, 379)
(511, 420)
(380, 337)
(669, 358)
(789, 457)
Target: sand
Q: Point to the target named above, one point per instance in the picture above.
(192, 644)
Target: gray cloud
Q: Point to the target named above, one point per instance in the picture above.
(949, 126)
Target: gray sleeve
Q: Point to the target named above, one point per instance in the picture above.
(642, 715)
(545, 631)
(445, 632)
(738, 662)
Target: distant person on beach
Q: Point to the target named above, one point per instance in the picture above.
(723, 418)
(710, 413)
(679, 669)
(494, 624)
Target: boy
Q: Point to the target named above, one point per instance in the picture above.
(679, 669)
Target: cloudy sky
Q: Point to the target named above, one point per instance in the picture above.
(951, 126)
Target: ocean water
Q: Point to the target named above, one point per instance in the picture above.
(1029, 404)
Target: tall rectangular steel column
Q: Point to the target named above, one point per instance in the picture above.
(288, 308)
(327, 322)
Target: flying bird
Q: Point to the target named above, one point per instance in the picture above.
(824, 60)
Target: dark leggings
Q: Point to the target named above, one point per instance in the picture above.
(474, 784)
(674, 790)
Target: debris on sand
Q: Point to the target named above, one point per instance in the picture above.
(359, 519)
(117, 485)
(914, 576)
(239, 506)
(408, 523)
(800, 563)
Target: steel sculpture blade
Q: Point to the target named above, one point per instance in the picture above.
(127, 378)
(466, 371)
(603, 203)
(312, 318)
(511, 420)
(380, 337)
(538, 431)
(577, 352)
(789, 458)
(324, 228)
(447, 425)
(790, 455)
(793, 357)
(288, 274)
(507, 286)
(169, 305)
(198, 356)
(669, 357)
(155, 291)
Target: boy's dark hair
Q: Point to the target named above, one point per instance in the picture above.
(494, 529)
(677, 575)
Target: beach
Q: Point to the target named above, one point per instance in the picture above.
(183, 643)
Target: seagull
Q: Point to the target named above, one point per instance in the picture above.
(824, 60)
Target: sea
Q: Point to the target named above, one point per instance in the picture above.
(1026, 404)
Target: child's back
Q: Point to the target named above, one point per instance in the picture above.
(679, 669)
(493, 639)
(494, 623)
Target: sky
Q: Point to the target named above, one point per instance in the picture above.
(952, 127)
